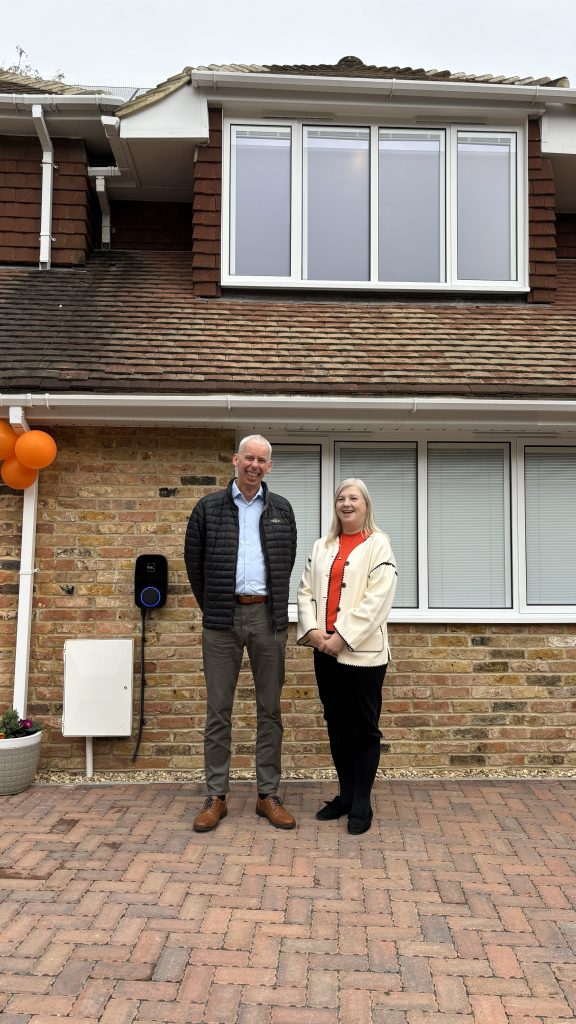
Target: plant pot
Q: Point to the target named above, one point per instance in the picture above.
(19, 758)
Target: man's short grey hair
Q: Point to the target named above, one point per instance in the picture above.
(256, 438)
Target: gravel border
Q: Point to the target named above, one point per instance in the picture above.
(48, 777)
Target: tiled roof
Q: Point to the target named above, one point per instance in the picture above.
(347, 67)
(13, 83)
(128, 322)
(353, 67)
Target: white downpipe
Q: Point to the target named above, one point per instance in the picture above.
(47, 186)
(105, 208)
(26, 588)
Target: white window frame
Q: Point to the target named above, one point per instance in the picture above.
(560, 610)
(519, 186)
(520, 611)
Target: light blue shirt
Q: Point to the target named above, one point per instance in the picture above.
(250, 567)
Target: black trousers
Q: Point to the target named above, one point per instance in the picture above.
(352, 702)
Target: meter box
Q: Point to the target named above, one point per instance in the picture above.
(98, 681)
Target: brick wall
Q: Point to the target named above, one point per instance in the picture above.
(541, 220)
(566, 235)
(151, 225)
(20, 199)
(206, 212)
(455, 697)
(10, 532)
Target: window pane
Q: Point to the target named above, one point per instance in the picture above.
(336, 204)
(486, 208)
(550, 479)
(260, 221)
(411, 203)
(390, 474)
(296, 475)
(468, 527)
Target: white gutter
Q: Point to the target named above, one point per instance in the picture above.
(26, 588)
(386, 88)
(47, 181)
(119, 148)
(299, 410)
(52, 102)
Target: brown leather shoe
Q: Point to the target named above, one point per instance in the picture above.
(214, 808)
(271, 807)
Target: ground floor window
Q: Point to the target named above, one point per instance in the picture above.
(480, 530)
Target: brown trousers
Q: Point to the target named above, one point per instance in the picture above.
(223, 650)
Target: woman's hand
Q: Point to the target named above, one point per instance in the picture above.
(316, 637)
(332, 644)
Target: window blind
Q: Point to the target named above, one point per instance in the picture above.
(390, 474)
(296, 475)
(468, 527)
(550, 498)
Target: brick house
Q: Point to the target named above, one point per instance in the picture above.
(375, 268)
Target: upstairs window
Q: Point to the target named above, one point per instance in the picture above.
(373, 206)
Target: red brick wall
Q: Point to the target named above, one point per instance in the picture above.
(206, 212)
(151, 225)
(20, 198)
(456, 696)
(566, 235)
(541, 222)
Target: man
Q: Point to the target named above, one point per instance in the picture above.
(239, 553)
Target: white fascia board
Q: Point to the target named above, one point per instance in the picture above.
(213, 82)
(559, 131)
(299, 412)
(180, 115)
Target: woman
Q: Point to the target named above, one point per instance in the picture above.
(344, 598)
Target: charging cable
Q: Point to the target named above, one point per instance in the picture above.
(142, 722)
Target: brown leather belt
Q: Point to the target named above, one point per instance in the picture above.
(251, 598)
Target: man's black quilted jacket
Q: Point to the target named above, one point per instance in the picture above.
(211, 551)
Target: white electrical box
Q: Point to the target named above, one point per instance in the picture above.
(98, 679)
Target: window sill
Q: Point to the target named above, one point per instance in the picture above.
(462, 287)
(473, 616)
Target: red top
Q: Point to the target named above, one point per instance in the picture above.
(348, 541)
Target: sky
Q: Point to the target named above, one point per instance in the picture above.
(142, 42)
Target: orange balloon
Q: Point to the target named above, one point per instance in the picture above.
(16, 475)
(7, 440)
(35, 449)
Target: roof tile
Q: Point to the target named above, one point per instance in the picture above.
(128, 322)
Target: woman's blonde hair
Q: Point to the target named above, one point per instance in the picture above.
(369, 524)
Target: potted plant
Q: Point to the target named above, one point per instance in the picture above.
(19, 752)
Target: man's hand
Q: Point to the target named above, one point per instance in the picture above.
(332, 644)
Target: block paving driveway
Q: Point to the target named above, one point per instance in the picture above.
(457, 907)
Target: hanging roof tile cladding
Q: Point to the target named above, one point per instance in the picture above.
(128, 323)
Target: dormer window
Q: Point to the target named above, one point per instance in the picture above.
(374, 207)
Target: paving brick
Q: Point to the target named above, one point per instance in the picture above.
(488, 1009)
(323, 989)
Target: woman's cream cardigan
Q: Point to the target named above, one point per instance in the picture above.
(366, 597)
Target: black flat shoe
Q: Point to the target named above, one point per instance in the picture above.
(333, 809)
(357, 824)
